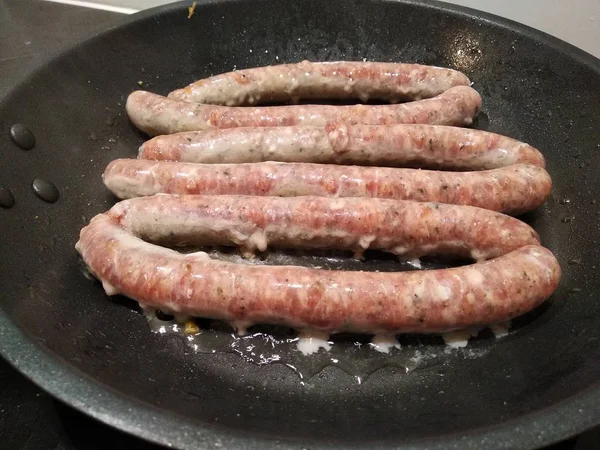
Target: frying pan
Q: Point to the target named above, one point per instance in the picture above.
(535, 386)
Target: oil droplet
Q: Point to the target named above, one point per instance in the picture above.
(22, 136)
(45, 190)
(7, 200)
(564, 201)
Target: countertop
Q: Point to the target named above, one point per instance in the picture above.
(30, 418)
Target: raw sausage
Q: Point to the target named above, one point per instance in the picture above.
(154, 114)
(406, 228)
(514, 189)
(365, 81)
(304, 298)
(426, 146)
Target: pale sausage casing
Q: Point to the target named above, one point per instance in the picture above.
(391, 82)
(424, 146)
(411, 229)
(155, 114)
(514, 189)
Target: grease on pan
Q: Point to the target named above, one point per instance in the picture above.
(308, 354)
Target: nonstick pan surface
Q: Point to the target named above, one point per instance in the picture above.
(535, 386)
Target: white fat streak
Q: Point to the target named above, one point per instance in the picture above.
(365, 241)
(310, 342)
(241, 326)
(258, 240)
(500, 329)
(478, 255)
(202, 256)
(336, 204)
(109, 288)
(443, 293)
(294, 84)
(239, 236)
(334, 134)
(383, 343)
(170, 307)
(460, 338)
(535, 258)
(429, 248)
(474, 277)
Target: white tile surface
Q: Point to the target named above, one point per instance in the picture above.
(575, 21)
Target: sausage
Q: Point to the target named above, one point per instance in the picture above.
(514, 189)
(406, 228)
(154, 114)
(365, 81)
(306, 298)
(426, 146)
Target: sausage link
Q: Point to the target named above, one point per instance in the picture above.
(332, 301)
(514, 189)
(341, 80)
(426, 146)
(406, 228)
(154, 114)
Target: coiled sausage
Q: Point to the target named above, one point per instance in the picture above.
(332, 301)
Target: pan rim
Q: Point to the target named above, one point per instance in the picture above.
(75, 388)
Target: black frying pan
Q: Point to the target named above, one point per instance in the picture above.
(536, 386)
